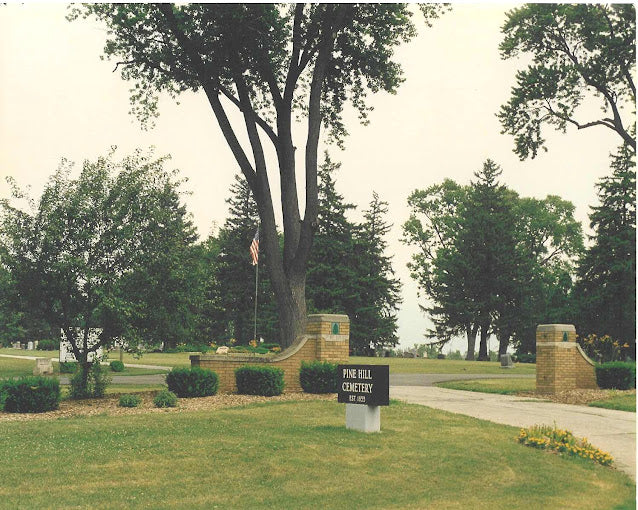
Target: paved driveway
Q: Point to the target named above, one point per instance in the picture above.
(431, 379)
(610, 430)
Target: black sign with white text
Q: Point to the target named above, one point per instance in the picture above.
(364, 384)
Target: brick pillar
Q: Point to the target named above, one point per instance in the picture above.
(331, 334)
(561, 364)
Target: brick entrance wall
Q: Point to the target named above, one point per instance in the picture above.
(327, 338)
(560, 362)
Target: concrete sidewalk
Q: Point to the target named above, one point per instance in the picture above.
(610, 430)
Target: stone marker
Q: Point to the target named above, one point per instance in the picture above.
(17, 345)
(506, 361)
(222, 350)
(43, 366)
(30, 346)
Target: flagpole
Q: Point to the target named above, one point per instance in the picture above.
(256, 288)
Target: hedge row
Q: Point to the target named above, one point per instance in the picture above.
(32, 394)
(617, 375)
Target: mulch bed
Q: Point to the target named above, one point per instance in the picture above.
(578, 397)
(109, 405)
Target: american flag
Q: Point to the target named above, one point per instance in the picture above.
(254, 248)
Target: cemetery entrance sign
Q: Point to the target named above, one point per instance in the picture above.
(364, 384)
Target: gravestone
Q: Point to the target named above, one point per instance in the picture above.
(43, 366)
(17, 345)
(29, 346)
(506, 361)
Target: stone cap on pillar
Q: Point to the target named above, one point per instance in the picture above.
(329, 326)
(555, 333)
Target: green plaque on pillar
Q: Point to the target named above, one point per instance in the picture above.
(564, 336)
(335, 328)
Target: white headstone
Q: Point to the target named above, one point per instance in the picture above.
(43, 366)
(29, 346)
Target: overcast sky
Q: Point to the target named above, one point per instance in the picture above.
(58, 99)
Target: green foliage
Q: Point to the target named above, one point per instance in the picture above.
(235, 275)
(188, 348)
(524, 358)
(33, 394)
(48, 345)
(165, 398)
(604, 348)
(68, 367)
(318, 377)
(348, 271)
(617, 375)
(562, 441)
(606, 288)
(89, 381)
(192, 382)
(455, 355)
(103, 250)
(578, 51)
(117, 366)
(490, 261)
(130, 400)
(259, 380)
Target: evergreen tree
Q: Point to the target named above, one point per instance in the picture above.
(236, 274)
(375, 320)
(606, 287)
(330, 272)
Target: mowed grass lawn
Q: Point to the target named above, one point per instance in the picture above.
(397, 365)
(292, 455)
(15, 367)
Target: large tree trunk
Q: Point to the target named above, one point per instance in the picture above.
(483, 354)
(503, 342)
(471, 332)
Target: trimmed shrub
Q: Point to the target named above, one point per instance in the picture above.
(68, 367)
(32, 394)
(130, 400)
(165, 398)
(619, 375)
(3, 395)
(259, 380)
(47, 345)
(440, 356)
(318, 377)
(97, 380)
(117, 366)
(192, 382)
(524, 358)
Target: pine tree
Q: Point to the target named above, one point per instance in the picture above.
(375, 320)
(606, 289)
(236, 274)
(330, 271)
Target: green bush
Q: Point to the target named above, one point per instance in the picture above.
(68, 367)
(117, 366)
(192, 382)
(32, 394)
(318, 377)
(619, 375)
(188, 348)
(97, 379)
(130, 400)
(524, 358)
(259, 380)
(47, 345)
(3, 395)
(165, 398)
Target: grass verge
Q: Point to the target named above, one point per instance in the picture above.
(503, 386)
(249, 457)
(620, 401)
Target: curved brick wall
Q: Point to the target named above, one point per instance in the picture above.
(327, 338)
(560, 362)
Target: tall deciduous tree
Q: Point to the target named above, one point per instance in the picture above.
(271, 62)
(577, 50)
(606, 287)
(73, 252)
